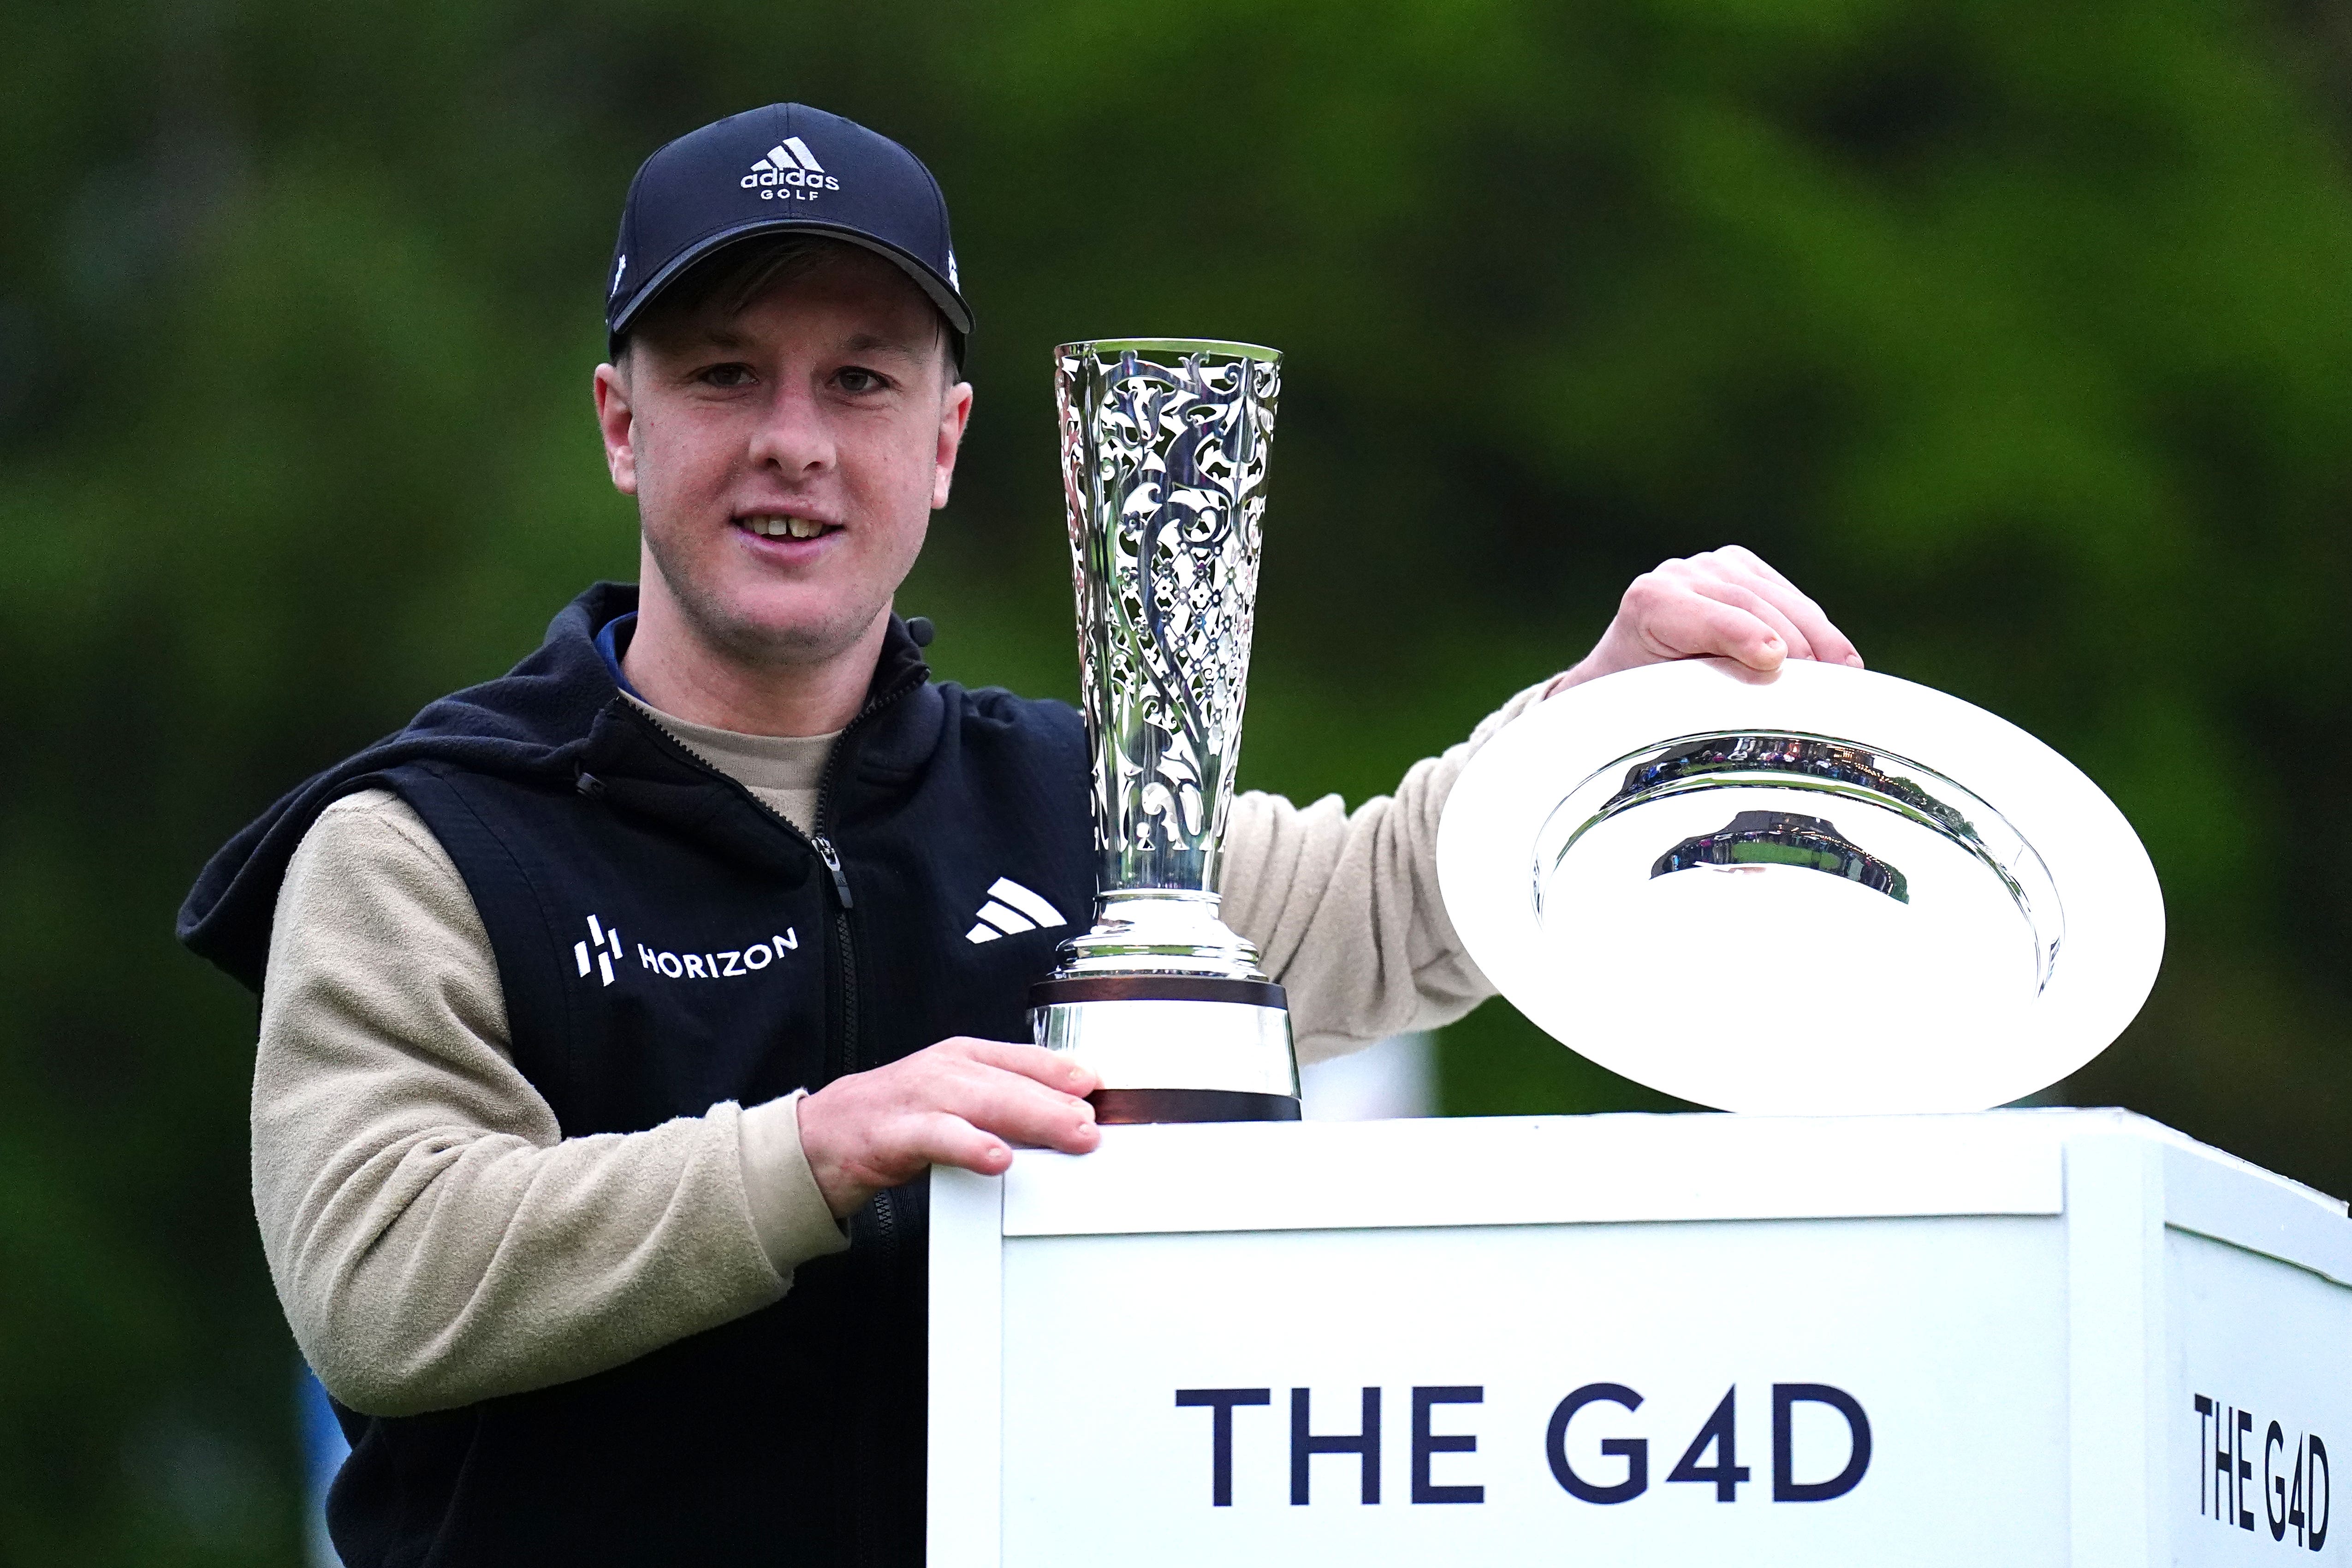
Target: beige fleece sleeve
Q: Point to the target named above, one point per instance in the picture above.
(1344, 907)
(434, 1239)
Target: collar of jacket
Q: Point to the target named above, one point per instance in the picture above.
(554, 717)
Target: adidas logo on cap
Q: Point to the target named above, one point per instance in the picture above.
(790, 172)
(711, 187)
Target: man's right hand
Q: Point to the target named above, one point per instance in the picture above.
(961, 1102)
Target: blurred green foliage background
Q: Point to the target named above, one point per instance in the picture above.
(2019, 332)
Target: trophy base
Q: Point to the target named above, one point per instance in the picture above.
(1141, 931)
(1173, 1048)
(1133, 1107)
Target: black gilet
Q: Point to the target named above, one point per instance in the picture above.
(665, 943)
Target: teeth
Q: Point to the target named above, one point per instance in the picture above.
(784, 527)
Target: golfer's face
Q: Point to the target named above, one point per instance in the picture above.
(787, 459)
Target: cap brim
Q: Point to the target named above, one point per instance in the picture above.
(934, 287)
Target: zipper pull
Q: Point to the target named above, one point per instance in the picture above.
(824, 851)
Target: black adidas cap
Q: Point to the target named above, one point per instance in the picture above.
(784, 168)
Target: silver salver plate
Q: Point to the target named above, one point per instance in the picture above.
(1825, 891)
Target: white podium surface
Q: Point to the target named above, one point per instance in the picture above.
(2024, 1337)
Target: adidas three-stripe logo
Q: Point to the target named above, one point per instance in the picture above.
(790, 172)
(1011, 908)
(791, 153)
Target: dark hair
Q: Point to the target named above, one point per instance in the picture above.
(734, 277)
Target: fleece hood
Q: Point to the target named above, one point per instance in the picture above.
(553, 718)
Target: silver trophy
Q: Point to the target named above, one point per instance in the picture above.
(1163, 463)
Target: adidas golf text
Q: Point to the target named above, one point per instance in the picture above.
(790, 172)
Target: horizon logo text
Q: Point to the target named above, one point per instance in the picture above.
(2293, 1482)
(790, 172)
(727, 965)
(1711, 1459)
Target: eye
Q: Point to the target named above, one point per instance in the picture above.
(856, 379)
(731, 374)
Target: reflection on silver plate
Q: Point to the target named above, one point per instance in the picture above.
(1821, 890)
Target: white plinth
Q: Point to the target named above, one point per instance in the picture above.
(2072, 1337)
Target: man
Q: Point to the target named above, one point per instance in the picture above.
(610, 1008)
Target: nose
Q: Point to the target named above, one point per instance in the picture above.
(793, 434)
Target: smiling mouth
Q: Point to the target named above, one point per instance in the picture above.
(781, 527)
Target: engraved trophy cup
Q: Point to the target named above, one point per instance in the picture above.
(1163, 464)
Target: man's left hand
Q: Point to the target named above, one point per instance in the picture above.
(1725, 604)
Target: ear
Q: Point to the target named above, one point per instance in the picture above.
(955, 412)
(617, 422)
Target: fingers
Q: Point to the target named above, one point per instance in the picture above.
(961, 1102)
(1021, 1094)
(1791, 642)
(1016, 1108)
(1674, 618)
(1726, 603)
(940, 1139)
(1026, 1093)
(1829, 644)
(1051, 1068)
